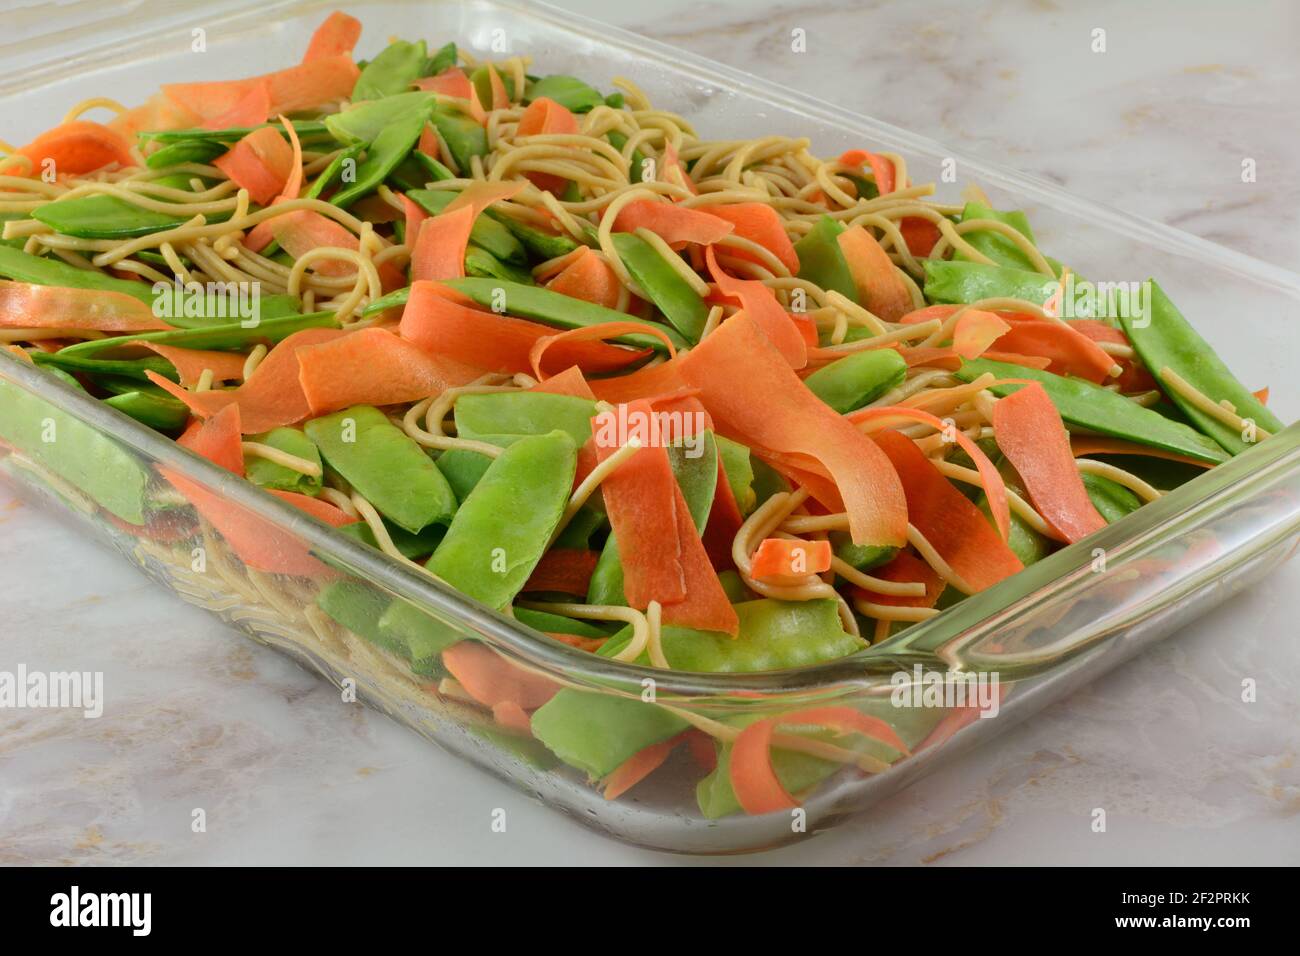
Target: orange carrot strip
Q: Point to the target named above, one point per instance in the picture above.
(643, 383)
(782, 561)
(880, 287)
(956, 529)
(303, 230)
(440, 244)
(156, 113)
(755, 398)
(1070, 351)
(1031, 434)
(760, 223)
(492, 679)
(261, 162)
(314, 83)
(24, 305)
(588, 277)
(566, 570)
(881, 168)
(191, 363)
(495, 343)
(74, 148)
(569, 382)
(500, 98)
(705, 606)
(271, 397)
(450, 82)
(1261, 396)
(919, 234)
(218, 439)
(544, 116)
(975, 331)
(905, 566)
(1135, 377)
(336, 36)
(946, 358)
(754, 779)
(414, 213)
(510, 715)
(675, 225)
(759, 303)
(990, 477)
(319, 509)
(604, 330)
(374, 367)
(249, 110)
(637, 767)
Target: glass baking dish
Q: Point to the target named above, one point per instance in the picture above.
(1041, 633)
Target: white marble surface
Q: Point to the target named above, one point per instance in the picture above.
(199, 717)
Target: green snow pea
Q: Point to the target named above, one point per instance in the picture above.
(1159, 473)
(363, 122)
(101, 216)
(864, 557)
(443, 58)
(187, 151)
(739, 469)
(1026, 543)
(996, 246)
(464, 137)
(615, 101)
(523, 413)
(382, 463)
(268, 474)
(822, 263)
(357, 606)
(1097, 409)
(463, 469)
(129, 368)
(539, 243)
(501, 530)
(418, 170)
(569, 91)
(486, 233)
(217, 337)
(423, 636)
(392, 71)
(25, 267)
(773, 635)
(411, 545)
(333, 173)
(306, 130)
(547, 622)
(734, 587)
(1111, 499)
(597, 732)
(483, 84)
(162, 412)
(858, 379)
(697, 477)
(947, 281)
(670, 293)
(212, 309)
(635, 161)
(578, 533)
(484, 265)
(74, 451)
(562, 311)
(387, 149)
(1167, 340)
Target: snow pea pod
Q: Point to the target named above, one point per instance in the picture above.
(996, 246)
(1168, 340)
(218, 337)
(1111, 499)
(129, 368)
(357, 606)
(25, 267)
(858, 379)
(822, 263)
(410, 545)
(392, 71)
(555, 624)
(569, 91)
(306, 130)
(363, 122)
(1104, 412)
(864, 557)
(333, 173)
(424, 637)
(597, 732)
(102, 216)
(484, 265)
(73, 450)
(463, 469)
(464, 137)
(739, 470)
(269, 474)
(501, 530)
(618, 141)
(562, 311)
(482, 82)
(443, 58)
(417, 170)
(524, 413)
(187, 151)
(382, 463)
(162, 412)
(773, 635)
(540, 244)
(487, 233)
(387, 149)
(670, 293)
(949, 281)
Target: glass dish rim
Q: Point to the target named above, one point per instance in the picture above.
(976, 611)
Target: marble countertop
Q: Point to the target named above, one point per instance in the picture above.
(200, 717)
